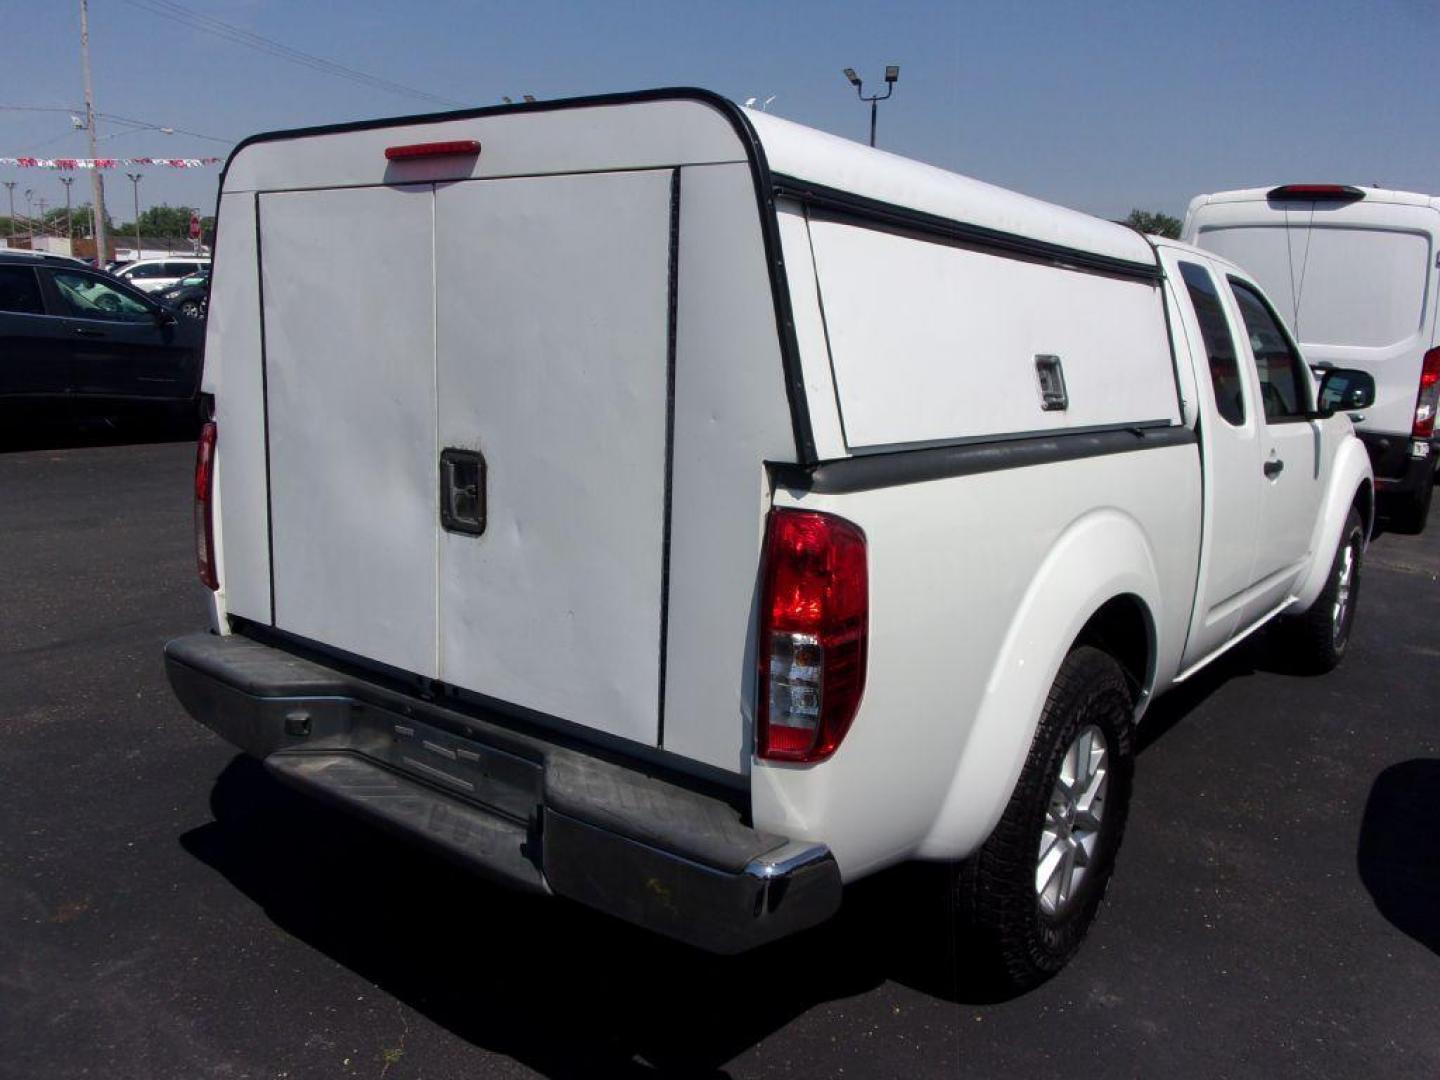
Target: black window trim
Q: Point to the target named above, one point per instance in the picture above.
(1246, 403)
(1307, 413)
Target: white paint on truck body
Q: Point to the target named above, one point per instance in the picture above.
(613, 304)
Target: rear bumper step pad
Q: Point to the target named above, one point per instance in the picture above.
(518, 809)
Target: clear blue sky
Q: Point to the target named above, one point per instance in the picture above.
(1099, 107)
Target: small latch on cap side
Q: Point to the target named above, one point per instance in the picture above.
(1052, 383)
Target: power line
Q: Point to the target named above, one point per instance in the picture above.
(207, 24)
(76, 110)
(162, 127)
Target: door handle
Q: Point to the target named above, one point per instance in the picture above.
(1273, 468)
(85, 331)
(462, 491)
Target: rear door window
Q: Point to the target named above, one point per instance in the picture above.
(1284, 384)
(1219, 342)
(1336, 284)
(20, 291)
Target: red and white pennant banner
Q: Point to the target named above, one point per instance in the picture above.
(106, 163)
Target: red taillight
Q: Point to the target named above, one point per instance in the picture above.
(1429, 399)
(814, 620)
(1316, 192)
(411, 151)
(205, 505)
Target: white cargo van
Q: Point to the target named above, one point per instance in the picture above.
(706, 511)
(1352, 270)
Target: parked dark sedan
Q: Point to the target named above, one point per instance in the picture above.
(190, 296)
(82, 339)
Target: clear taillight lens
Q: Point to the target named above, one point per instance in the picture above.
(815, 611)
(205, 505)
(1429, 399)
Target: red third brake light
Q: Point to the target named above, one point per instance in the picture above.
(815, 613)
(1429, 397)
(1316, 192)
(205, 505)
(411, 151)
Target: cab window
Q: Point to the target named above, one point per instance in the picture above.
(87, 297)
(1219, 343)
(1283, 380)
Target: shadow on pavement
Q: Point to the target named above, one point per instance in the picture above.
(57, 431)
(1399, 851)
(557, 987)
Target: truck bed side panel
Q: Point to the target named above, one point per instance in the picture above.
(951, 564)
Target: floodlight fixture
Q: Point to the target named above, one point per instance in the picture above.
(892, 74)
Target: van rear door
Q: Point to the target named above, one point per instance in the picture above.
(1353, 280)
(522, 323)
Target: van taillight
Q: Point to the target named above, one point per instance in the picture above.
(814, 620)
(205, 505)
(1429, 398)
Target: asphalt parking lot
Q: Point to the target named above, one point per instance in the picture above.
(167, 911)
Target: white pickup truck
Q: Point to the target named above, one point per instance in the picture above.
(699, 512)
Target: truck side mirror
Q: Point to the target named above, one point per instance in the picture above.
(1345, 390)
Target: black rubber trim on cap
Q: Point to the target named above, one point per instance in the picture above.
(861, 209)
(871, 471)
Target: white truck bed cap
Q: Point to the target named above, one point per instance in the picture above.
(659, 128)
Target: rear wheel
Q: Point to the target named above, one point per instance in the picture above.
(1317, 638)
(1028, 897)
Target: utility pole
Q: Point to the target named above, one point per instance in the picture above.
(30, 214)
(97, 182)
(69, 228)
(10, 187)
(134, 178)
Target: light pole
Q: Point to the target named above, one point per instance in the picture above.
(892, 74)
(134, 178)
(69, 228)
(10, 187)
(30, 213)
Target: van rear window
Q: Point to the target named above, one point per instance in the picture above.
(1335, 284)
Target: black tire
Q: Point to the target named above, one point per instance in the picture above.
(994, 894)
(1408, 516)
(1316, 639)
